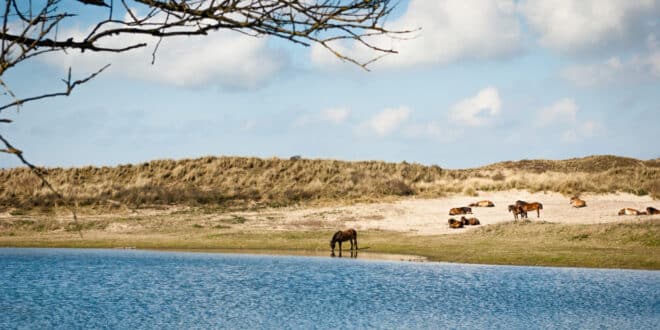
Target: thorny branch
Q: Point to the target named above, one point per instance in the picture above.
(34, 28)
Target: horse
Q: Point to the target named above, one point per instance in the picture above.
(460, 210)
(628, 211)
(453, 223)
(531, 207)
(652, 210)
(577, 202)
(470, 221)
(482, 204)
(343, 236)
(517, 210)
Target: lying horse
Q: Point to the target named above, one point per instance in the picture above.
(531, 207)
(482, 204)
(577, 202)
(517, 210)
(460, 210)
(470, 221)
(453, 223)
(652, 210)
(343, 236)
(629, 211)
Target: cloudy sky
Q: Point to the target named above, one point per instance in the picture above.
(482, 81)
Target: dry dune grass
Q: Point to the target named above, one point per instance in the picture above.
(255, 182)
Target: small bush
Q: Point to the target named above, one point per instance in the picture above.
(469, 191)
(498, 177)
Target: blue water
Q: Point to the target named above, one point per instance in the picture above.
(72, 288)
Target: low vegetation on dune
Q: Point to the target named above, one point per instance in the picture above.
(255, 182)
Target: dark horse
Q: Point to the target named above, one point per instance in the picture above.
(343, 236)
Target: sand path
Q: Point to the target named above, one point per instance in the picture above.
(429, 216)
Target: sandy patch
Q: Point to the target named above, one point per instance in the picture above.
(429, 216)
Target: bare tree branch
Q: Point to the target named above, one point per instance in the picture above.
(37, 28)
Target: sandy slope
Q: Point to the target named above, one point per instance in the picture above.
(429, 216)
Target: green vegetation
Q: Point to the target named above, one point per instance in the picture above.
(617, 245)
(220, 183)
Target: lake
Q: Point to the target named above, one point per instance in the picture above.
(102, 288)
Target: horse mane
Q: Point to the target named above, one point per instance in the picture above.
(336, 236)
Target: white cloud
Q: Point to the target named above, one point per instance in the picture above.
(615, 70)
(450, 30)
(478, 110)
(564, 114)
(335, 116)
(577, 25)
(562, 111)
(591, 128)
(386, 121)
(224, 58)
(434, 130)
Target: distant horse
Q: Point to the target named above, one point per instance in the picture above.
(652, 210)
(460, 210)
(577, 202)
(482, 204)
(531, 207)
(453, 223)
(470, 221)
(629, 211)
(343, 236)
(517, 210)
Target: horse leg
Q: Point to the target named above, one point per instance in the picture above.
(340, 248)
(356, 246)
(538, 213)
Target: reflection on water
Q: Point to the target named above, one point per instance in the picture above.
(73, 288)
(354, 254)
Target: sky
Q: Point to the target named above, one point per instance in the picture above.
(481, 81)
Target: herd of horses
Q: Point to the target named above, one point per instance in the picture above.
(519, 210)
(630, 211)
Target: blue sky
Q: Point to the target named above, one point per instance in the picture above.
(483, 81)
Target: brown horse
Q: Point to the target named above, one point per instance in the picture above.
(531, 207)
(482, 204)
(517, 210)
(470, 221)
(343, 236)
(577, 202)
(453, 223)
(460, 210)
(628, 211)
(652, 210)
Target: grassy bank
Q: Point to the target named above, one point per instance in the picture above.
(619, 245)
(236, 182)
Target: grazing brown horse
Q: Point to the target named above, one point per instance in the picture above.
(482, 204)
(577, 202)
(460, 210)
(343, 236)
(470, 221)
(629, 211)
(652, 210)
(517, 210)
(531, 207)
(453, 223)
